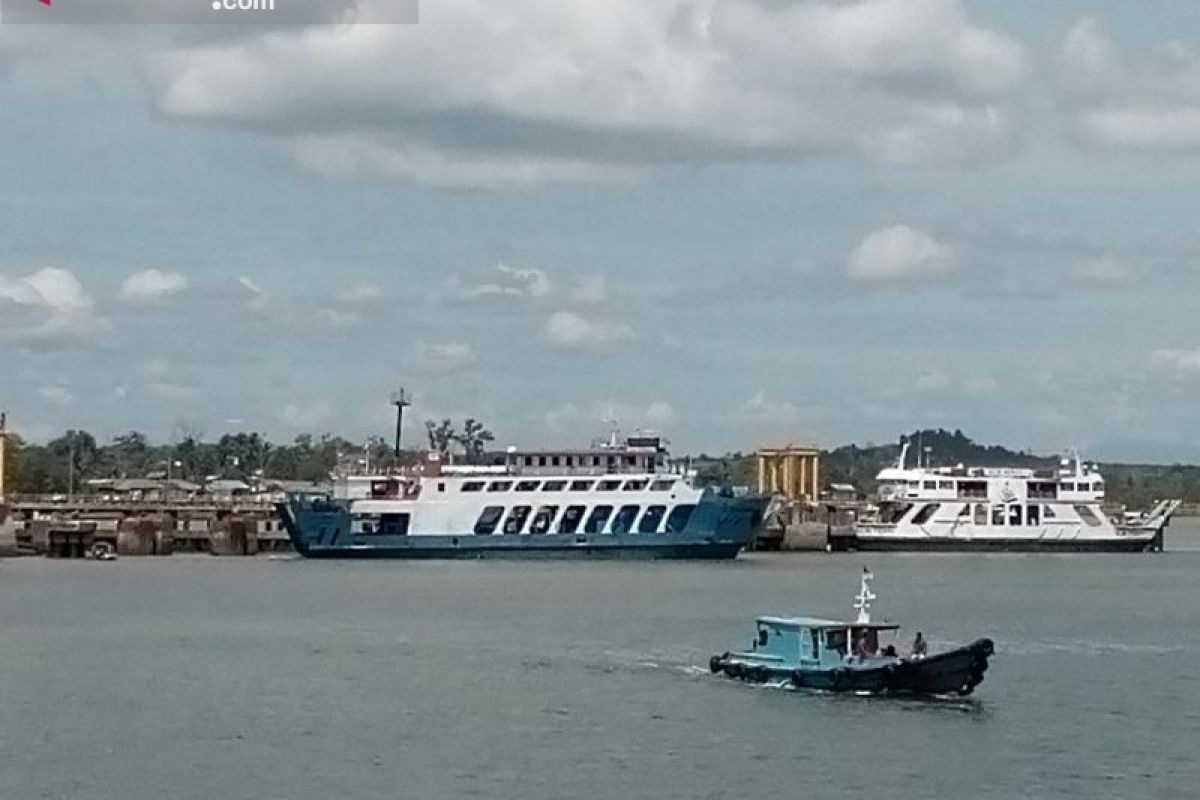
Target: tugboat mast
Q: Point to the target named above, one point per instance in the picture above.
(862, 601)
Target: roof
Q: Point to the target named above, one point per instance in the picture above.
(818, 622)
(842, 487)
(227, 485)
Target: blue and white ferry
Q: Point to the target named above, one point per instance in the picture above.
(612, 500)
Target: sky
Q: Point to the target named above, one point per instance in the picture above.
(734, 222)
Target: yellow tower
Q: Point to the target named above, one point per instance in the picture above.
(791, 470)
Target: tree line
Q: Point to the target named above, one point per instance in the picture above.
(67, 462)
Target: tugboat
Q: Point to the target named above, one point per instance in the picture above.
(825, 654)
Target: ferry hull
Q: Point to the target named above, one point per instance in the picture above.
(720, 528)
(881, 544)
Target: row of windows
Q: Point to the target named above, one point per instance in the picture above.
(1012, 515)
(574, 486)
(582, 461)
(547, 519)
(1036, 490)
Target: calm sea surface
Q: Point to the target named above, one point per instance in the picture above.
(196, 677)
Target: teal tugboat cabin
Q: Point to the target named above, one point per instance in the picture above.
(858, 656)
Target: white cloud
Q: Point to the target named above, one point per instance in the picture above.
(931, 381)
(50, 288)
(358, 294)
(338, 318)
(603, 88)
(897, 253)
(1180, 363)
(659, 413)
(507, 282)
(305, 417)
(762, 408)
(591, 291)
(151, 285)
(568, 330)
(58, 395)
(1105, 270)
(1152, 105)
(443, 356)
(258, 298)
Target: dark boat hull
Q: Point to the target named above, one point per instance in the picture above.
(880, 544)
(521, 550)
(955, 672)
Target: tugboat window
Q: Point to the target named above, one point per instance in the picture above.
(651, 519)
(516, 519)
(571, 518)
(677, 520)
(488, 520)
(835, 639)
(543, 519)
(623, 521)
(599, 516)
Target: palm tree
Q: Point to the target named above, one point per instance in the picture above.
(474, 439)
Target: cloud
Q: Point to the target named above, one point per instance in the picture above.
(338, 318)
(358, 294)
(931, 381)
(659, 412)
(506, 282)
(443, 356)
(1105, 270)
(258, 298)
(591, 291)
(50, 288)
(552, 94)
(305, 417)
(761, 408)
(58, 395)
(1179, 363)
(897, 253)
(569, 331)
(152, 284)
(1150, 106)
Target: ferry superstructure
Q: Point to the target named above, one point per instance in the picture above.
(1001, 509)
(618, 500)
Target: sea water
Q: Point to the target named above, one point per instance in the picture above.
(199, 677)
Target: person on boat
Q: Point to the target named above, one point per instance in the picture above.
(920, 648)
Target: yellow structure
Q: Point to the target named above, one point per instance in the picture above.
(791, 470)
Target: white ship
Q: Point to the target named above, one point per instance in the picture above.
(1001, 509)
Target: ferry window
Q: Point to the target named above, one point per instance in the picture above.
(554, 486)
(662, 486)
(543, 519)
(930, 484)
(926, 513)
(571, 519)
(1068, 487)
(595, 461)
(651, 519)
(972, 489)
(1087, 515)
(441, 486)
(608, 486)
(1014, 515)
(581, 486)
(529, 461)
(965, 511)
(499, 486)
(997, 515)
(488, 520)
(554, 461)
(599, 516)
(634, 486)
(1048, 512)
(1083, 487)
(472, 486)
(393, 524)
(980, 514)
(623, 521)
(677, 520)
(945, 484)
(516, 519)
(631, 460)
(528, 486)
(541, 461)
(570, 461)
(1031, 516)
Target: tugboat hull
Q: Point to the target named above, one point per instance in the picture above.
(955, 672)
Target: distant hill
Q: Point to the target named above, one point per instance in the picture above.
(858, 465)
